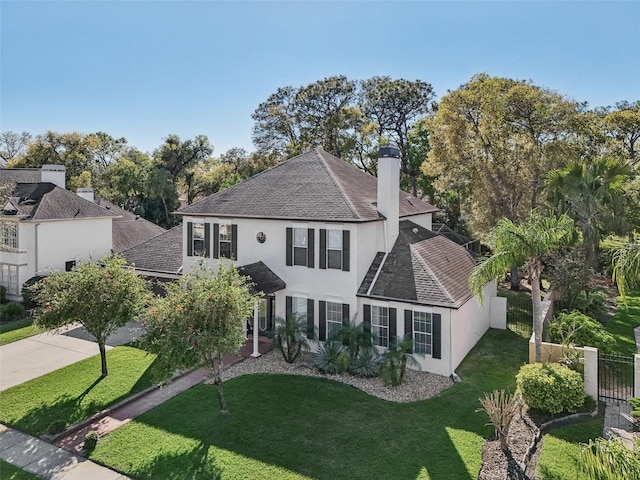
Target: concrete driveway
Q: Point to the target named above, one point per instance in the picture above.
(35, 356)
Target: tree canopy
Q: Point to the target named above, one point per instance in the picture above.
(199, 320)
(101, 296)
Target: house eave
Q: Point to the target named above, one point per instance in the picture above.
(453, 306)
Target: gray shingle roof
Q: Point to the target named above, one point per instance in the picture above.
(423, 268)
(45, 201)
(162, 253)
(263, 278)
(128, 228)
(311, 186)
(20, 175)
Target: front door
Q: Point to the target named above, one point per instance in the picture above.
(265, 315)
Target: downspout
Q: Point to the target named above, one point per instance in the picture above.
(36, 248)
(256, 350)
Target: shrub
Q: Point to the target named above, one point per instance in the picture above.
(28, 298)
(608, 460)
(331, 358)
(366, 363)
(578, 329)
(501, 407)
(394, 363)
(551, 387)
(3, 294)
(90, 441)
(56, 427)
(291, 337)
(11, 311)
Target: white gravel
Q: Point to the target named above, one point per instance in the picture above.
(417, 385)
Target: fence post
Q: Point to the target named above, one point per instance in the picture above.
(636, 375)
(591, 372)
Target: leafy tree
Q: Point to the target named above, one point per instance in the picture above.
(626, 267)
(395, 106)
(493, 141)
(592, 193)
(124, 180)
(525, 244)
(161, 197)
(199, 321)
(101, 296)
(623, 125)
(13, 145)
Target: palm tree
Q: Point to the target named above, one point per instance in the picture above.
(626, 267)
(592, 193)
(524, 244)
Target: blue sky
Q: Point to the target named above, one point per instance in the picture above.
(146, 69)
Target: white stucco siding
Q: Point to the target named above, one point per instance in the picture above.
(425, 220)
(469, 323)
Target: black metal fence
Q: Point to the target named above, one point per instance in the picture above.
(519, 312)
(615, 376)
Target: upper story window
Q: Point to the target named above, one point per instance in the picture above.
(198, 239)
(300, 246)
(9, 235)
(334, 249)
(225, 241)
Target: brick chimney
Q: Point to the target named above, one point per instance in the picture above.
(53, 174)
(389, 191)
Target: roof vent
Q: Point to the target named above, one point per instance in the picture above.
(415, 230)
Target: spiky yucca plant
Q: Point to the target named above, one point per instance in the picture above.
(501, 407)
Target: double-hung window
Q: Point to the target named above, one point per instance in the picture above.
(300, 246)
(9, 278)
(422, 332)
(9, 235)
(334, 319)
(299, 308)
(380, 325)
(334, 249)
(226, 236)
(199, 244)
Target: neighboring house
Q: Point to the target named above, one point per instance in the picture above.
(323, 240)
(45, 227)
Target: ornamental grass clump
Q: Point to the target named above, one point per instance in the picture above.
(551, 387)
(610, 459)
(501, 407)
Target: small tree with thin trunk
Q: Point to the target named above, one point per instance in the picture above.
(102, 297)
(526, 244)
(199, 321)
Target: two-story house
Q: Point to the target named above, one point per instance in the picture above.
(323, 240)
(44, 227)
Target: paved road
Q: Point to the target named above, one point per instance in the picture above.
(35, 356)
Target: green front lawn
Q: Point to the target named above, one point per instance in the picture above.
(14, 331)
(11, 472)
(621, 326)
(76, 392)
(561, 447)
(287, 427)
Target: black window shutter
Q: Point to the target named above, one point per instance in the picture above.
(189, 239)
(323, 248)
(436, 351)
(234, 242)
(311, 327)
(207, 240)
(393, 325)
(345, 314)
(310, 247)
(288, 307)
(345, 250)
(289, 246)
(366, 323)
(322, 320)
(216, 240)
(408, 325)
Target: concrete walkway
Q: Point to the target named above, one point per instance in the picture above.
(48, 461)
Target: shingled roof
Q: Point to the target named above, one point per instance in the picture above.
(422, 268)
(45, 201)
(128, 228)
(161, 254)
(20, 175)
(312, 186)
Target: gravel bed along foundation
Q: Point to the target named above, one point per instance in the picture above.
(417, 385)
